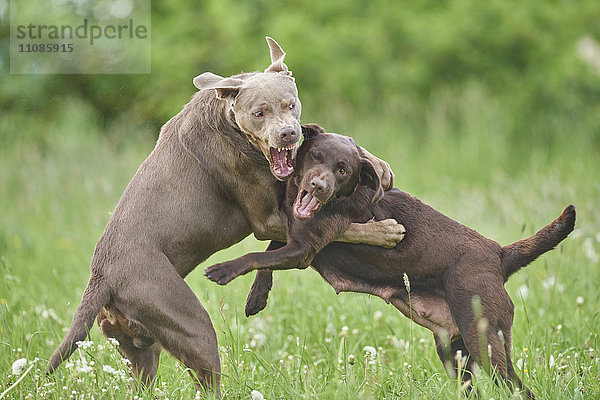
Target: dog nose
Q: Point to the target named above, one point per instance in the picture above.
(318, 184)
(288, 134)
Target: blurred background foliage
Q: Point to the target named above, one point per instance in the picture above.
(413, 68)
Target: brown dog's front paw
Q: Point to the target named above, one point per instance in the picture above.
(223, 273)
(259, 293)
(255, 303)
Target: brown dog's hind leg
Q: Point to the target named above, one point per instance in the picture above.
(490, 334)
(457, 365)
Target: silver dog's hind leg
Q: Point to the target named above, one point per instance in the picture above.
(165, 305)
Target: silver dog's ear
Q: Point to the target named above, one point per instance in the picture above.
(225, 87)
(277, 56)
(368, 177)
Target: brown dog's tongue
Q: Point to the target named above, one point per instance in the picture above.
(306, 206)
(305, 201)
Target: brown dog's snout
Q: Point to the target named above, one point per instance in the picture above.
(318, 185)
(288, 134)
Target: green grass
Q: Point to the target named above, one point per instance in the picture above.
(60, 179)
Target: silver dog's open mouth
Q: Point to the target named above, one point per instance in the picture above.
(283, 160)
(306, 205)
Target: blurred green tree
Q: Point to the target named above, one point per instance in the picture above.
(409, 63)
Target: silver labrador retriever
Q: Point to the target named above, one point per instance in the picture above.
(212, 179)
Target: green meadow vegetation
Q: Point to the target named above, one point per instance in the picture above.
(488, 111)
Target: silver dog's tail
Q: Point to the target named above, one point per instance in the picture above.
(519, 254)
(95, 296)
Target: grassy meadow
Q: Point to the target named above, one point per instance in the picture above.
(488, 111)
(60, 179)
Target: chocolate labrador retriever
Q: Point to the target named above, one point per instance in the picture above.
(456, 275)
(214, 177)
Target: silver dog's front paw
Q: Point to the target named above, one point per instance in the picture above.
(223, 273)
(390, 232)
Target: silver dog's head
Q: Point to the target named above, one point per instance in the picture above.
(266, 109)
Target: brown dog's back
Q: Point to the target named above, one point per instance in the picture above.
(435, 243)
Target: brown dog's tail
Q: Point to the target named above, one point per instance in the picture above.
(519, 254)
(95, 296)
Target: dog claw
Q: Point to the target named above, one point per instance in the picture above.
(222, 274)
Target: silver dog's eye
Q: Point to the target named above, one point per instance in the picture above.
(259, 114)
(292, 106)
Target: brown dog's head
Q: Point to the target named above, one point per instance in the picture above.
(329, 167)
(266, 108)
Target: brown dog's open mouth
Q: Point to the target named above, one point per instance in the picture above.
(306, 205)
(283, 160)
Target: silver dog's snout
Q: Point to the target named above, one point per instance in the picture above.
(288, 134)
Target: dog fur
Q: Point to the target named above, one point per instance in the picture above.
(455, 275)
(213, 178)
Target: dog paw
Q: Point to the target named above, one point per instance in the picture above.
(223, 273)
(256, 301)
(390, 232)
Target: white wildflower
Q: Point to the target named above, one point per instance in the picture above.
(109, 369)
(549, 282)
(18, 366)
(370, 354)
(82, 366)
(344, 331)
(524, 290)
(377, 316)
(84, 344)
(114, 341)
(579, 300)
(258, 340)
(351, 359)
(256, 395)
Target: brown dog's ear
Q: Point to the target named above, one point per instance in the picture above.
(309, 131)
(277, 56)
(225, 87)
(368, 177)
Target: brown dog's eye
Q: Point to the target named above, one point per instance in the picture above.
(342, 171)
(292, 106)
(259, 114)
